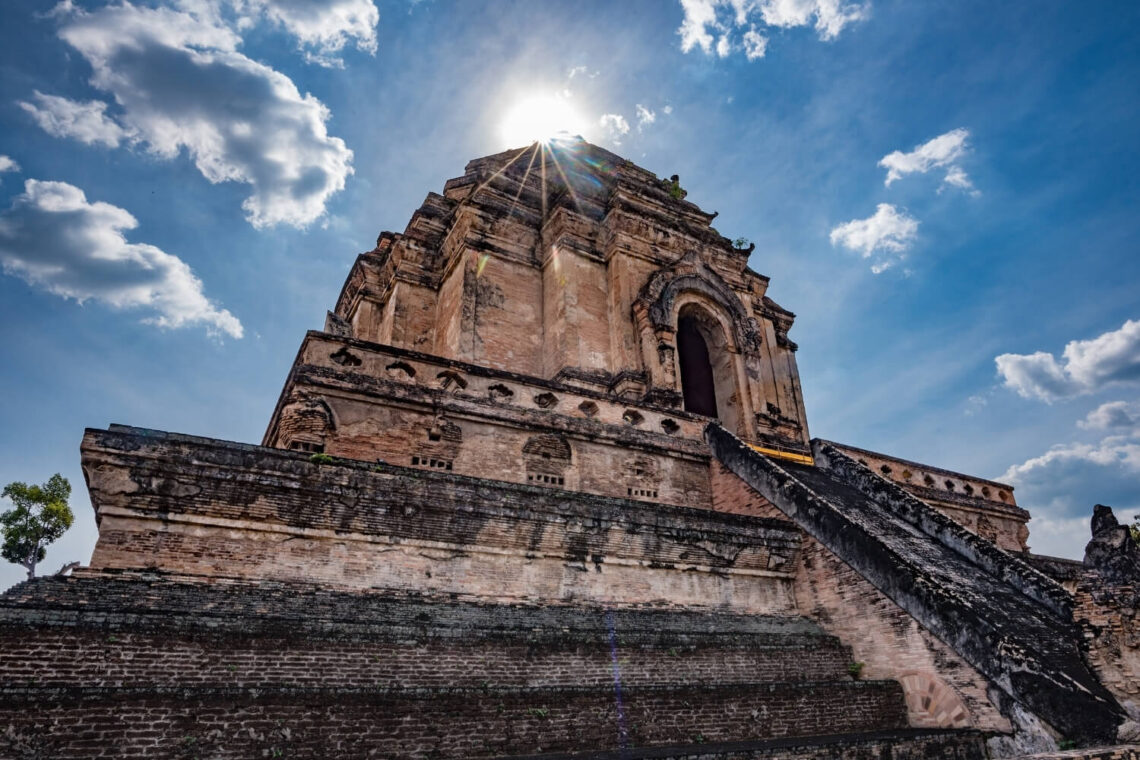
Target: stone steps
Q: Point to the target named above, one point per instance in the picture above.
(119, 658)
(242, 669)
(903, 744)
(444, 722)
(115, 631)
(999, 615)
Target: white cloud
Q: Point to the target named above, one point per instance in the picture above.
(668, 110)
(86, 122)
(942, 151)
(830, 15)
(694, 31)
(581, 71)
(755, 44)
(711, 24)
(644, 116)
(976, 403)
(723, 46)
(323, 28)
(1061, 486)
(888, 233)
(181, 85)
(1114, 415)
(1035, 375)
(52, 238)
(615, 126)
(8, 164)
(1087, 366)
(956, 177)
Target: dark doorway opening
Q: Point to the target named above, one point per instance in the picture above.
(697, 386)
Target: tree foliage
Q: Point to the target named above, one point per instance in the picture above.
(41, 515)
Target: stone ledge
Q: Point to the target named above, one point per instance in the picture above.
(474, 370)
(200, 507)
(148, 603)
(11, 696)
(141, 444)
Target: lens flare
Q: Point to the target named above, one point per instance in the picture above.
(540, 119)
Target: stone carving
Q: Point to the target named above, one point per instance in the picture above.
(1112, 551)
(500, 392)
(546, 401)
(346, 358)
(398, 369)
(450, 378)
(633, 417)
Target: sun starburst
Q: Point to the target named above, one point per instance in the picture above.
(540, 118)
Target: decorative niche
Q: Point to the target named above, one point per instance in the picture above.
(547, 459)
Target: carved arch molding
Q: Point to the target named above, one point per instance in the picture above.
(654, 306)
(654, 315)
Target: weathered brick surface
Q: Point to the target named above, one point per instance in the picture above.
(211, 508)
(1108, 615)
(130, 667)
(122, 659)
(149, 722)
(900, 504)
(518, 547)
(120, 631)
(577, 274)
(389, 405)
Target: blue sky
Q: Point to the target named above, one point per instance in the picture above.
(185, 185)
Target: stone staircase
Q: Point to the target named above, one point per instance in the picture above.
(239, 669)
(1010, 622)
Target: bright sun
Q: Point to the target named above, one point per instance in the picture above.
(539, 118)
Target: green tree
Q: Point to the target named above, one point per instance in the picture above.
(41, 516)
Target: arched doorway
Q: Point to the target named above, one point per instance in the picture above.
(697, 385)
(708, 367)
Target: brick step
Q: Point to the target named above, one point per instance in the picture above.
(401, 723)
(902, 744)
(63, 657)
(146, 602)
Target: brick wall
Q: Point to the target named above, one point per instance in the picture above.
(455, 723)
(117, 657)
(1107, 614)
(134, 666)
(372, 402)
(211, 508)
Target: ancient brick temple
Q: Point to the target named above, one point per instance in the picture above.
(544, 486)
